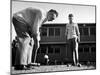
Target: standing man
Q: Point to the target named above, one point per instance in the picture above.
(73, 37)
(27, 23)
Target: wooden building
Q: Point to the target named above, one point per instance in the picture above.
(54, 43)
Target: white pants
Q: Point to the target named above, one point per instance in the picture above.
(24, 51)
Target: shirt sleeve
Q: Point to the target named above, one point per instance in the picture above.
(44, 16)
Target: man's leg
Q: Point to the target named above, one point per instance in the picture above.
(70, 50)
(75, 54)
(74, 58)
(74, 51)
(21, 54)
(35, 48)
(37, 45)
(24, 50)
(24, 40)
(29, 55)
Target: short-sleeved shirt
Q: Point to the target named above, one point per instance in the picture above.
(72, 31)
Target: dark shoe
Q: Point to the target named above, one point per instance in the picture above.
(30, 66)
(34, 64)
(23, 67)
(69, 65)
(73, 64)
(79, 65)
(17, 67)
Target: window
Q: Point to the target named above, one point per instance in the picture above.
(86, 49)
(80, 49)
(57, 50)
(80, 29)
(39, 51)
(43, 50)
(50, 50)
(57, 31)
(54, 31)
(93, 49)
(85, 31)
(51, 31)
(44, 32)
(92, 31)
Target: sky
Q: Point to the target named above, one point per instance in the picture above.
(82, 13)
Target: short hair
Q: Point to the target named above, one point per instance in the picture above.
(54, 11)
(70, 15)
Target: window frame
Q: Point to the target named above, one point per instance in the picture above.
(88, 50)
(54, 31)
(45, 50)
(95, 31)
(48, 50)
(46, 31)
(59, 50)
(49, 31)
(87, 31)
(93, 51)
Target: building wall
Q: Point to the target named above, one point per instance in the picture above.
(61, 38)
(53, 56)
(50, 38)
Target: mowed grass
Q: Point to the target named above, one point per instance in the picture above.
(52, 68)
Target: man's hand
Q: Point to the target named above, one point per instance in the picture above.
(31, 42)
(65, 33)
(78, 39)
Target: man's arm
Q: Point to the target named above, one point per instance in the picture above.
(78, 33)
(66, 31)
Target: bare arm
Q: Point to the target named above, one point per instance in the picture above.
(78, 33)
(66, 31)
